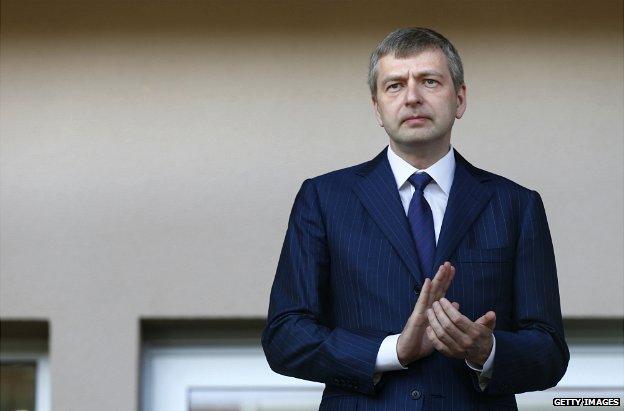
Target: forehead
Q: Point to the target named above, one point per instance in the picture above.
(425, 61)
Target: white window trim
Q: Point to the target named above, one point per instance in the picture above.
(42, 375)
(169, 372)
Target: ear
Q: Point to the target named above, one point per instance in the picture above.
(376, 111)
(461, 102)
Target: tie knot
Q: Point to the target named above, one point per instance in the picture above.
(420, 180)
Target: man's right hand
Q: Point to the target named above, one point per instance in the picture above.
(413, 342)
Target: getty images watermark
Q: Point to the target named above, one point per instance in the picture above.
(586, 402)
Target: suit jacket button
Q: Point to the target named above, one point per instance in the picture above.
(416, 290)
(415, 394)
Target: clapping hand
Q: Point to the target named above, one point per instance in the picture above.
(454, 335)
(413, 343)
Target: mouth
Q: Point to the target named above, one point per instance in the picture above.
(415, 120)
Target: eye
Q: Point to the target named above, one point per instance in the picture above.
(431, 82)
(393, 86)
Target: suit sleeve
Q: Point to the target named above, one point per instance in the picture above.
(298, 339)
(534, 354)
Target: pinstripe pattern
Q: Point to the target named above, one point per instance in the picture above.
(348, 271)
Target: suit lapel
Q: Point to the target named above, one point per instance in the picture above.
(378, 192)
(467, 199)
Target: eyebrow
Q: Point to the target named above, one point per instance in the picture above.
(426, 73)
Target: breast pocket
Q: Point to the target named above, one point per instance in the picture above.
(483, 279)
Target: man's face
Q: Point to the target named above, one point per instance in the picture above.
(416, 101)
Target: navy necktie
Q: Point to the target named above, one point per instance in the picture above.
(421, 222)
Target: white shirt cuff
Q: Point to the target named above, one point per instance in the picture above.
(387, 357)
(485, 373)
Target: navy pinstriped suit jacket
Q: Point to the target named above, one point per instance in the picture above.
(348, 276)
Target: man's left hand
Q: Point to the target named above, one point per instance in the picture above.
(454, 335)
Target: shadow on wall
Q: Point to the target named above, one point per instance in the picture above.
(237, 19)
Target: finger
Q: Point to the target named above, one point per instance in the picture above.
(423, 299)
(438, 283)
(418, 318)
(456, 338)
(446, 281)
(456, 305)
(488, 320)
(437, 344)
(435, 282)
(449, 277)
(439, 330)
(462, 322)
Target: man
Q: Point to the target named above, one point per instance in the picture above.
(416, 280)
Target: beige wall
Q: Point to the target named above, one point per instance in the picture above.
(150, 152)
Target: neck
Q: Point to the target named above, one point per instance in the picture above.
(421, 156)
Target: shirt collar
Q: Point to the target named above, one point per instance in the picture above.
(442, 171)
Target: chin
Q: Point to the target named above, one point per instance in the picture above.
(415, 140)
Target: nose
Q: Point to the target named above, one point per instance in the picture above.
(413, 95)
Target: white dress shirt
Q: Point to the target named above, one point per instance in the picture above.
(436, 193)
